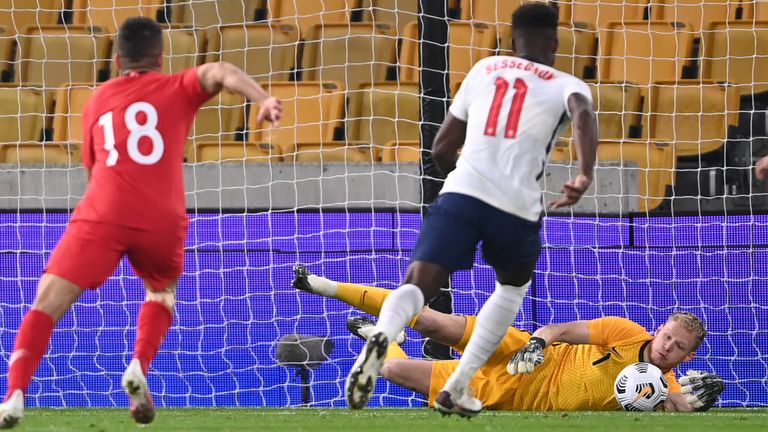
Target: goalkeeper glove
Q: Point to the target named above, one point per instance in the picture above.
(702, 389)
(529, 356)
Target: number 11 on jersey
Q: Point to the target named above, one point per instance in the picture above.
(513, 119)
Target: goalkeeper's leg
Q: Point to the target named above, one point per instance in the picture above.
(155, 318)
(55, 295)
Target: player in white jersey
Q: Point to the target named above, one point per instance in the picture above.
(507, 114)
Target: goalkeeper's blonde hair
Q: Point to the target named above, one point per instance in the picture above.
(693, 324)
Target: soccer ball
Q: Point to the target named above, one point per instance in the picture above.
(640, 387)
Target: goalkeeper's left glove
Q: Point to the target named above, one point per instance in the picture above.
(529, 356)
(702, 389)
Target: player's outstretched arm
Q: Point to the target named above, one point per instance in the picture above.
(448, 141)
(532, 354)
(585, 136)
(215, 76)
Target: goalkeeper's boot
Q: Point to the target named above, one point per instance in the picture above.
(363, 328)
(135, 385)
(458, 402)
(304, 280)
(12, 410)
(362, 378)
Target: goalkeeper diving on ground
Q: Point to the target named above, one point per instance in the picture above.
(560, 367)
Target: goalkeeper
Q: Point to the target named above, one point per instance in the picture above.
(560, 367)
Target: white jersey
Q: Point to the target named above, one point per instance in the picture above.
(514, 109)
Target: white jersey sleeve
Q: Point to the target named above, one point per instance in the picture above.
(514, 109)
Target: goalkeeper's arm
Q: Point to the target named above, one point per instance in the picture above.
(699, 392)
(532, 354)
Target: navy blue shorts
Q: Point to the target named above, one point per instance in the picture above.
(455, 223)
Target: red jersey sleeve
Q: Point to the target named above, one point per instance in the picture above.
(86, 148)
(608, 331)
(193, 89)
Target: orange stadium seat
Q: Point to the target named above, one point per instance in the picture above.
(737, 52)
(217, 119)
(693, 115)
(19, 15)
(110, 14)
(402, 152)
(349, 53)
(597, 13)
(395, 12)
(311, 112)
(22, 114)
(206, 15)
(408, 62)
(618, 108)
(644, 51)
(264, 51)
(6, 49)
(54, 55)
(384, 111)
(576, 49)
(67, 116)
(234, 151)
(306, 13)
(754, 10)
(337, 151)
(697, 13)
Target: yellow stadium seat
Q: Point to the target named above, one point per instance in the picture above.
(644, 51)
(56, 55)
(330, 152)
(304, 14)
(409, 62)
(655, 167)
(618, 108)
(349, 53)
(111, 14)
(208, 14)
(692, 115)
(38, 154)
(697, 13)
(402, 152)
(19, 15)
(597, 13)
(737, 52)
(395, 12)
(6, 49)
(67, 116)
(576, 49)
(182, 49)
(492, 13)
(754, 10)
(219, 118)
(311, 112)
(22, 114)
(264, 51)
(563, 153)
(234, 151)
(384, 111)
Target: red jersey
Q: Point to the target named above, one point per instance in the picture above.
(134, 132)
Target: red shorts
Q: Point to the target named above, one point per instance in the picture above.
(89, 252)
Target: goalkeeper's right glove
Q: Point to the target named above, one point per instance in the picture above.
(529, 356)
(703, 389)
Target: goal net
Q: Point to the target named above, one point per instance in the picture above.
(676, 220)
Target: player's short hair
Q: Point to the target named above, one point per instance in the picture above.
(538, 17)
(693, 324)
(139, 38)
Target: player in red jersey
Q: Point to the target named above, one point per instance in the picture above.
(134, 132)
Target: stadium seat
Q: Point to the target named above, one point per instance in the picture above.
(697, 13)
(492, 13)
(337, 151)
(37, 154)
(408, 61)
(55, 55)
(395, 12)
(67, 115)
(110, 14)
(219, 118)
(207, 15)
(618, 108)
(754, 10)
(182, 49)
(644, 51)
(737, 52)
(6, 50)
(349, 53)
(655, 165)
(234, 151)
(402, 152)
(597, 13)
(692, 115)
(303, 14)
(562, 153)
(576, 49)
(22, 114)
(384, 111)
(312, 110)
(264, 51)
(19, 15)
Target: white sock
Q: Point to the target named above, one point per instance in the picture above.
(398, 309)
(491, 325)
(320, 285)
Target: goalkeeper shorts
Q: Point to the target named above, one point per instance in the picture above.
(454, 225)
(89, 252)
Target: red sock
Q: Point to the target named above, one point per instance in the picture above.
(154, 321)
(29, 348)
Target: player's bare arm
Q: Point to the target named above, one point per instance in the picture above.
(222, 75)
(532, 354)
(585, 136)
(761, 168)
(448, 141)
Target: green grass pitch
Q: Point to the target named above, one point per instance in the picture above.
(389, 420)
